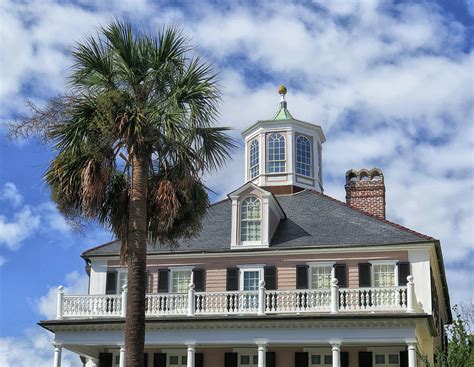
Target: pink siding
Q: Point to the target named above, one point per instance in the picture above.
(286, 265)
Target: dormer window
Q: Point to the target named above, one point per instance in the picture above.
(276, 153)
(303, 156)
(250, 220)
(254, 163)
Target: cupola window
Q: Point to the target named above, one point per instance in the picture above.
(250, 220)
(254, 163)
(276, 153)
(303, 156)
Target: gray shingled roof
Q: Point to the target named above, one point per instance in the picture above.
(313, 220)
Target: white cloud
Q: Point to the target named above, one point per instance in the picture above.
(75, 283)
(23, 225)
(10, 193)
(3, 260)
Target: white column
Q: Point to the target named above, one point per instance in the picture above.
(262, 355)
(124, 300)
(410, 294)
(191, 299)
(122, 356)
(334, 296)
(261, 298)
(336, 355)
(412, 355)
(191, 352)
(57, 354)
(59, 303)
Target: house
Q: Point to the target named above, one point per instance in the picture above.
(280, 275)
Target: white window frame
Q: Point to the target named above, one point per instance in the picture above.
(311, 166)
(178, 268)
(319, 351)
(120, 271)
(175, 353)
(284, 160)
(385, 352)
(383, 262)
(312, 265)
(243, 268)
(251, 243)
(257, 165)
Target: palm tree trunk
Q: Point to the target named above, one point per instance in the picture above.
(136, 262)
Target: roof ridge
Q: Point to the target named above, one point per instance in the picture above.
(393, 224)
(100, 246)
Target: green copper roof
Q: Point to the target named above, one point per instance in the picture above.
(283, 113)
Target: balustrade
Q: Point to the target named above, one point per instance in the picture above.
(261, 302)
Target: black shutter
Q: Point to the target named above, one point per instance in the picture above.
(230, 360)
(344, 359)
(159, 360)
(301, 276)
(270, 278)
(340, 275)
(198, 360)
(232, 279)
(403, 273)
(301, 359)
(105, 359)
(270, 359)
(145, 360)
(404, 358)
(199, 280)
(365, 359)
(163, 278)
(364, 275)
(111, 283)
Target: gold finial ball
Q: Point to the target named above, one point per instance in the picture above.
(282, 90)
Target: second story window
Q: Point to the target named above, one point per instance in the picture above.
(321, 276)
(384, 275)
(276, 153)
(253, 162)
(303, 156)
(180, 279)
(250, 220)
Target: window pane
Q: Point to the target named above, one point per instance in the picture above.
(253, 161)
(255, 359)
(244, 359)
(303, 156)
(384, 275)
(321, 277)
(250, 219)
(393, 358)
(380, 359)
(122, 280)
(174, 360)
(315, 359)
(251, 279)
(180, 282)
(276, 153)
(328, 359)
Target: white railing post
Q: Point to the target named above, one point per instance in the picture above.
(410, 294)
(124, 301)
(334, 296)
(191, 299)
(60, 303)
(261, 298)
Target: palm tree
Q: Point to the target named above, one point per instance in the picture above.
(133, 137)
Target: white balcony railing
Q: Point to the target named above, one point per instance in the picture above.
(261, 302)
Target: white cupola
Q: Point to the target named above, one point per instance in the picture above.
(283, 155)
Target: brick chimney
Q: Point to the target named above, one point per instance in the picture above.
(365, 190)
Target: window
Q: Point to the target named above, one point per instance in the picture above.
(176, 358)
(248, 360)
(180, 279)
(386, 360)
(276, 153)
(249, 282)
(254, 166)
(121, 279)
(303, 156)
(384, 275)
(250, 220)
(321, 276)
(320, 359)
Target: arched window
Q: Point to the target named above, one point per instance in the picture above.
(250, 219)
(303, 156)
(253, 161)
(276, 153)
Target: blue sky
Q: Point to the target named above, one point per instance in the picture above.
(390, 82)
